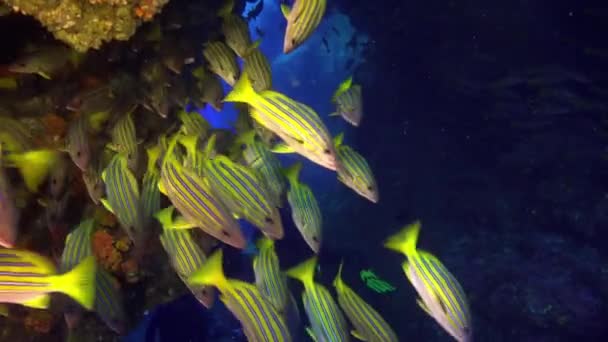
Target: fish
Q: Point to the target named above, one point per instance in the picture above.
(9, 215)
(355, 172)
(150, 195)
(349, 102)
(258, 157)
(77, 143)
(185, 256)
(258, 68)
(123, 197)
(210, 91)
(193, 123)
(34, 165)
(192, 197)
(236, 34)
(326, 319)
(241, 189)
(302, 20)
(297, 124)
(157, 99)
(93, 182)
(195, 158)
(258, 317)
(369, 324)
(28, 278)
(46, 61)
(305, 210)
(124, 140)
(222, 61)
(15, 137)
(269, 278)
(109, 304)
(59, 176)
(441, 296)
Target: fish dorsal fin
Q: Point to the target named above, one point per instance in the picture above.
(339, 139)
(338, 283)
(285, 9)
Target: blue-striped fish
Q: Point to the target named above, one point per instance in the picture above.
(243, 192)
(77, 143)
(77, 245)
(258, 157)
(27, 278)
(124, 140)
(236, 33)
(59, 176)
(305, 210)
(109, 302)
(222, 61)
(150, 195)
(302, 20)
(355, 172)
(297, 124)
(441, 296)
(257, 67)
(191, 195)
(123, 198)
(185, 256)
(349, 102)
(369, 325)
(258, 317)
(9, 215)
(193, 123)
(326, 319)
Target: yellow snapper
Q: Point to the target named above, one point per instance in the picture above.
(305, 210)
(258, 317)
(369, 325)
(236, 33)
(302, 20)
(191, 195)
(257, 67)
(355, 172)
(124, 140)
(441, 296)
(222, 61)
(349, 102)
(326, 319)
(297, 124)
(185, 256)
(27, 278)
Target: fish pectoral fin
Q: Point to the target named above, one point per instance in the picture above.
(285, 9)
(44, 75)
(423, 306)
(282, 148)
(181, 222)
(311, 334)
(358, 335)
(106, 205)
(40, 302)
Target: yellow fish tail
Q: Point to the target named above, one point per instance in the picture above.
(153, 155)
(211, 272)
(339, 139)
(292, 173)
(165, 216)
(79, 283)
(344, 86)
(405, 240)
(304, 272)
(264, 243)
(34, 166)
(243, 90)
(338, 280)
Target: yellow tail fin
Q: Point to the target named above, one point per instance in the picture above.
(34, 166)
(338, 283)
(264, 243)
(344, 86)
(79, 283)
(304, 272)
(243, 90)
(292, 173)
(153, 155)
(165, 216)
(405, 240)
(211, 273)
(190, 143)
(338, 139)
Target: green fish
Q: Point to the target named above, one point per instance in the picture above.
(124, 140)
(376, 284)
(150, 195)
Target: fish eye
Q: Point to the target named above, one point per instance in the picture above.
(370, 188)
(327, 151)
(269, 220)
(78, 154)
(293, 42)
(256, 137)
(225, 233)
(315, 239)
(243, 146)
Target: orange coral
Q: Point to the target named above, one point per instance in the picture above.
(145, 10)
(103, 248)
(40, 321)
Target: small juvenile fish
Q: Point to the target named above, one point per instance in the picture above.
(123, 199)
(355, 172)
(297, 124)
(236, 33)
(258, 317)
(305, 210)
(222, 61)
(441, 296)
(259, 158)
(27, 278)
(256, 65)
(191, 195)
(77, 143)
(326, 319)
(302, 20)
(124, 140)
(349, 102)
(369, 324)
(244, 194)
(185, 256)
